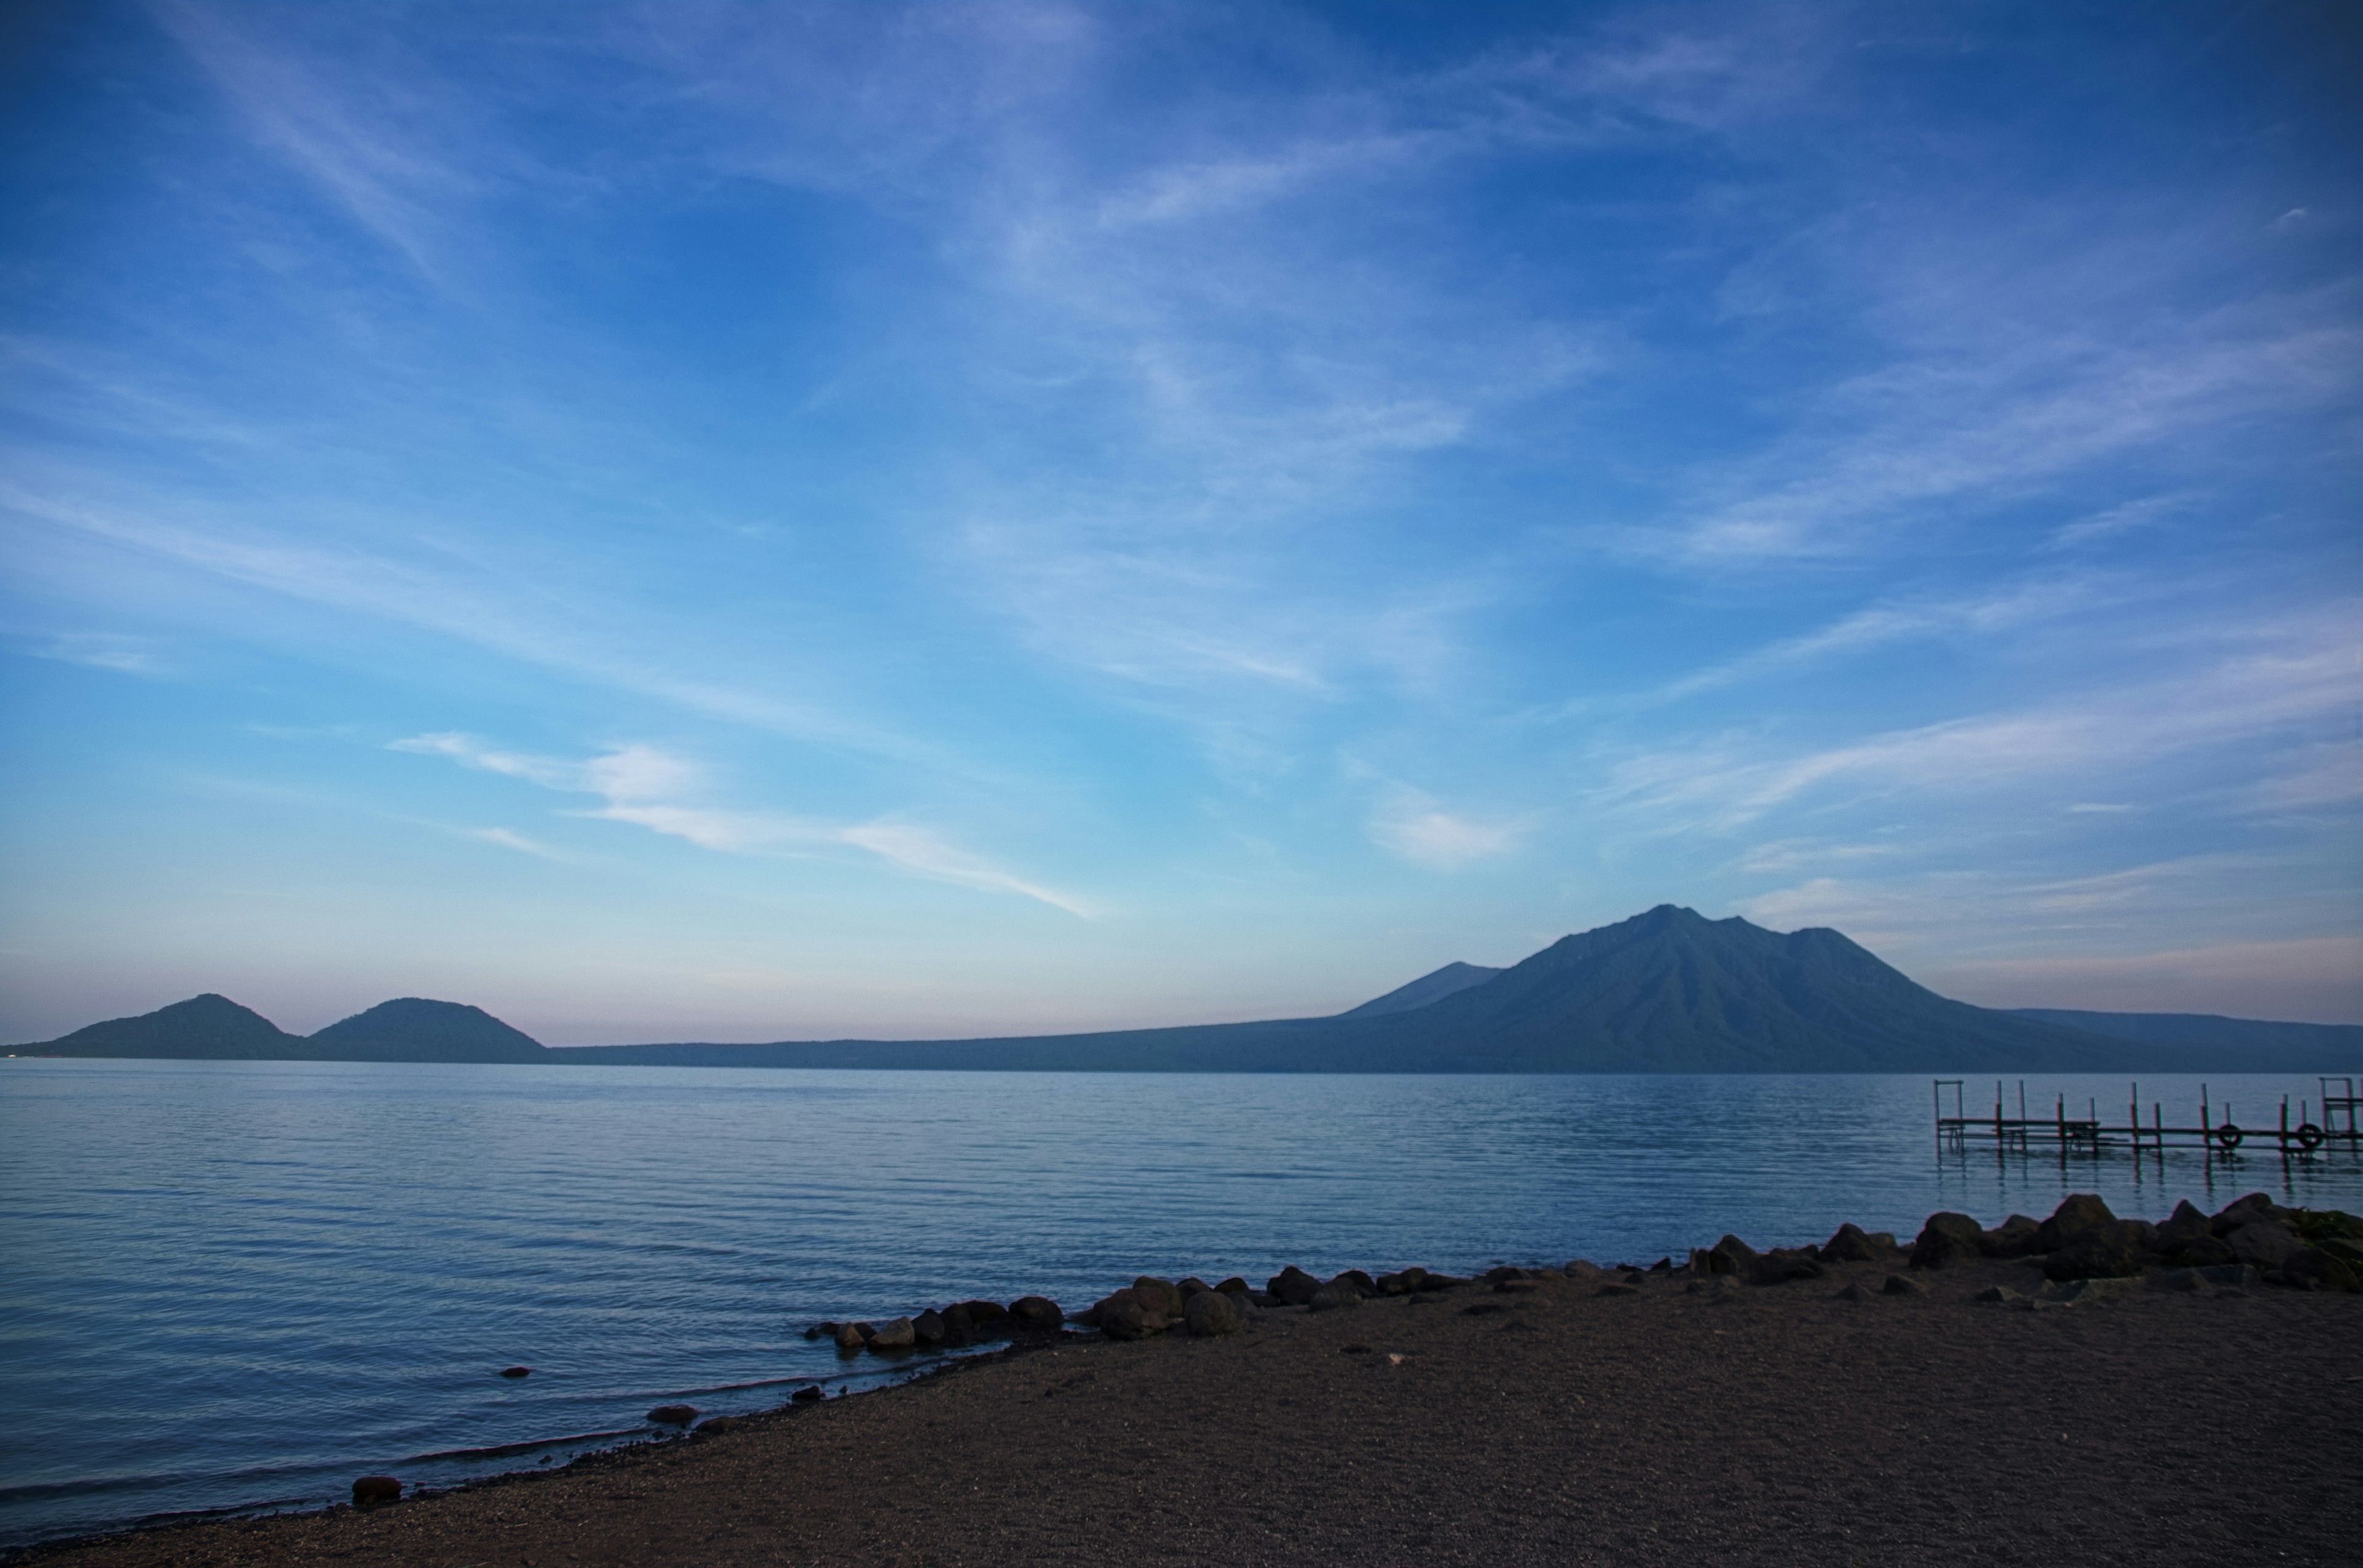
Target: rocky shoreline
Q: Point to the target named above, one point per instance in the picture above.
(1816, 1355)
(2250, 1241)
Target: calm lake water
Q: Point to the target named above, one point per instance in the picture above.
(230, 1284)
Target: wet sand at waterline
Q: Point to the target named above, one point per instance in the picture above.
(1553, 1425)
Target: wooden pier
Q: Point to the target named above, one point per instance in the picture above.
(2216, 1132)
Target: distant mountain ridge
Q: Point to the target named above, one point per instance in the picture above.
(1668, 991)
(2207, 1031)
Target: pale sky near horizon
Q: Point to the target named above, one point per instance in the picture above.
(768, 521)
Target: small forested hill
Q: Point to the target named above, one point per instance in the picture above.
(215, 1029)
(412, 1028)
(206, 1028)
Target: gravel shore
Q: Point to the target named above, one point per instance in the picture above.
(1544, 1421)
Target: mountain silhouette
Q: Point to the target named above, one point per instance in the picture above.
(1668, 991)
(215, 1029)
(207, 1027)
(412, 1028)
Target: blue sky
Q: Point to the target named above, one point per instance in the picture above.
(741, 522)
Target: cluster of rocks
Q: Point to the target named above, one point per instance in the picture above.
(2250, 1239)
(946, 1328)
(1152, 1305)
(2309, 1249)
(1850, 1243)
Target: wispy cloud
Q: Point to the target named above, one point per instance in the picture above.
(518, 841)
(641, 784)
(383, 180)
(105, 651)
(1986, 614)
(1413, 826)
(470, 604)
(2301, 672)
(1935, 432)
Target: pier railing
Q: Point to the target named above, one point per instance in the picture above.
(2216, 1131)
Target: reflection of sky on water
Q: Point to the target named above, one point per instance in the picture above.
(238, 1282)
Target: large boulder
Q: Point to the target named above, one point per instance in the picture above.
(898, 1335)
(1737, 1254)
(1210, 1313)
(2184, 1225)
(927, 1328)
(1234, 1285)
(2110, 1250)
(2013, 1238)
(2239, 1211)
(1357, 1280)
(1291, 1286)
(1330, 1297)
(1161, 1296)
(990, 1317)
(1123, 1318)
(1402, 1283)
(851, 1337)
(371, 1490)
(1036, 1315)
(959, 1329)
(1847, 1244)
(2264, 1242)
(1945, 1237)
(1784, 1263)
(2077, 1212)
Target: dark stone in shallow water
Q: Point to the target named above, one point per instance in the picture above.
(371, 1489)
(807, 1396)
(516, 1372)
(1036, 1315)
(674, 1415)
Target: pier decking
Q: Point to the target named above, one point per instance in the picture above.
(2216, 1132)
